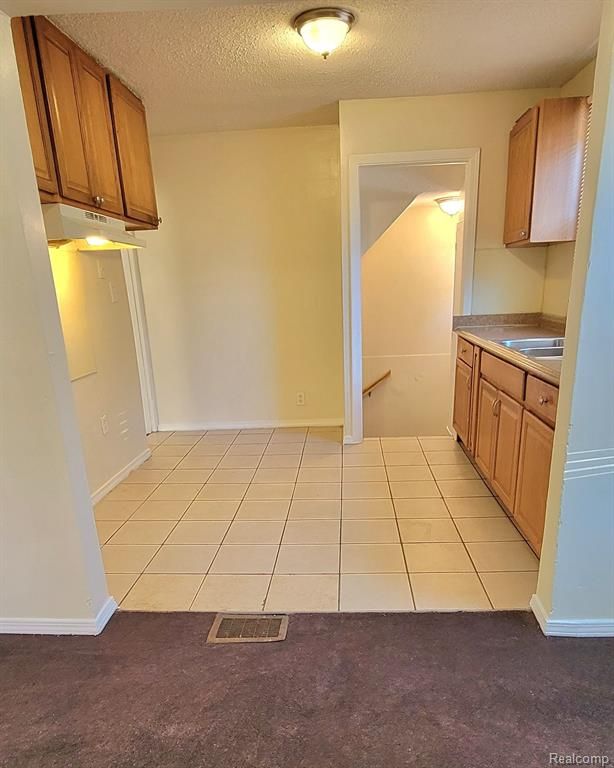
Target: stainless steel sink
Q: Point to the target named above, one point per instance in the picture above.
(533, 343)
(537, 348)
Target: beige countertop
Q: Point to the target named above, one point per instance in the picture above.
(488, 336)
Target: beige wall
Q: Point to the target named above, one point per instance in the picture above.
(242, 283)
(575, 590)
(407, 292)
(51, 576)
(504, 280)
(112, 389)
(559, 260)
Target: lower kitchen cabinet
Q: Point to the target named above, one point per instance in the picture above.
(533, 478)
(485, 431)
(506, 446)
(462, 401)
(505, 419)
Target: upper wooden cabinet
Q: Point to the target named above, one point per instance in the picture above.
(81, 121)
(34, 106)
(100, 151)
(83, 155)
(133, 152)
(544, 174)
(520, 172)
(57, 54)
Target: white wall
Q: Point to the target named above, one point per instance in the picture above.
(575, 591)
(51, 575)
(407, 293)
(504, 280)
(242, 282)
(559, 260)
(113, 388)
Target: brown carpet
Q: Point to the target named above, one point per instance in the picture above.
(343, 691)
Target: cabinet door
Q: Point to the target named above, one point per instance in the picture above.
(508, 416)
(520, 174)
(133, 153)
(485, 431)
(462, 400)
(59, 78)
(100, 151)
(533, 478)
(558, 169)
(34, 105)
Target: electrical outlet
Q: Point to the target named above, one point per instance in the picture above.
(300, 398)
(104, 424)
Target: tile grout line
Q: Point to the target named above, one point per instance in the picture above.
(232, 520)
(396, 520)
(142, 502)
(471, 559)
(173, 527)
(169, 533)
(302, 453)
(340, 528)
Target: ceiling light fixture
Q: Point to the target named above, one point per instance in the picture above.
(451, 205)
(324, 29)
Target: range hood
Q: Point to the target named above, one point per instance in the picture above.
(90, 231)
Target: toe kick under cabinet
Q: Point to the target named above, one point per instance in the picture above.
(504, 417)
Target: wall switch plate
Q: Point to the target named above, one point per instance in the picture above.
(104, 424)
(300, 398)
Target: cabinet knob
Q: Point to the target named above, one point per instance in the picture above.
(523, 233)
(542, 400)
(98, 201)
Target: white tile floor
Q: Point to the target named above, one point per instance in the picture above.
(291, 520)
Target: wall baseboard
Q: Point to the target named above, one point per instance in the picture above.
(92, 626)
(254, 424)
(570, 627)
(119, 476)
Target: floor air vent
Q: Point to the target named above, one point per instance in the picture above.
(247, 628)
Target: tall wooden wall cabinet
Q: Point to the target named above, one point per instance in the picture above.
(544, 175)
(89, 150)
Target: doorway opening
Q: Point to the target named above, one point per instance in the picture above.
(411, 222)
(413, 177)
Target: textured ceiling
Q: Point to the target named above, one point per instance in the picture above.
(241, 65)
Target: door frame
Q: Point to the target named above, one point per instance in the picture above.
(352, 254)
(136, 302)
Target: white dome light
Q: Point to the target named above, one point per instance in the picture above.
(324, 29)
(450, 205)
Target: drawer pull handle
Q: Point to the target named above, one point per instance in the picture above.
(543, 400)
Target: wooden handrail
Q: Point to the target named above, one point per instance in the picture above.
(371, 387)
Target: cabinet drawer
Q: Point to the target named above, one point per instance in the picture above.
(464, 351)
(542, 399)
(503, 375)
